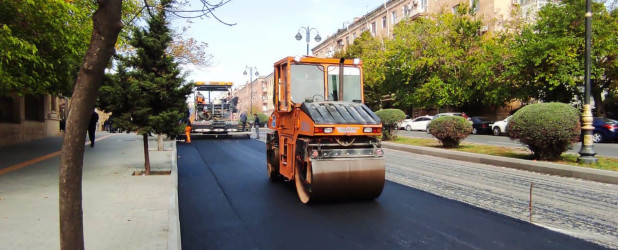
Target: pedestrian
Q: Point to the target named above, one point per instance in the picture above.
(92, 127)
(256, 124)
(106, 125)
(243, 119)
(188, 132)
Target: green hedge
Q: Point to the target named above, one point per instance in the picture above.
(548, 129)
(450, 130)
(390, 118)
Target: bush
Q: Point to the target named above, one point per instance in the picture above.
(263, 119)
(450, 130)
(548, 129)
(390, 118)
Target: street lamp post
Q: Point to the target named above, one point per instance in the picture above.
(307, 36)
(251, 84)
(586, 153)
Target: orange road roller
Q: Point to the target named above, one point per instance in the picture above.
(323, 137)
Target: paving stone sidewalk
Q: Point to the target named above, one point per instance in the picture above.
(121, 211)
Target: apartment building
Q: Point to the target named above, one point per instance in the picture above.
(383, 18)
(255, 93)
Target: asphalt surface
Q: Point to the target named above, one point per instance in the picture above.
(227, 202)
(602, 149)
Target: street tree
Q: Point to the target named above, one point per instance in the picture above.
(149, 94)
(107, 24)
(445, 60)
(548, 64)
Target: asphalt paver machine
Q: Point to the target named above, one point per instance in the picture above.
(323, 137)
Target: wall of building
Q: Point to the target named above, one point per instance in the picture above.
(22, 129)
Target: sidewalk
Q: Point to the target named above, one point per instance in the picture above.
(121, 211)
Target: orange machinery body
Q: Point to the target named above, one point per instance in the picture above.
(328, 146)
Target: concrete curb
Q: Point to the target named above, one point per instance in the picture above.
(173, 241)
(591, 174)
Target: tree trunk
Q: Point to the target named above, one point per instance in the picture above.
(598, 100)
(106, 26)
(146, 156)
(160, 142)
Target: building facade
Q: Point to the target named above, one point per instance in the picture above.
(27, 118)
(255, 94)
(383, 18)
(381, 21)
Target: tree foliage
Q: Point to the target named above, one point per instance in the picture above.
(43, 43)
(370, 50)
(548, 64)
(390, 118)
(148, 93)
(444, 60)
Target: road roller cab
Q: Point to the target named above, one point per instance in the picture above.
(324, 138)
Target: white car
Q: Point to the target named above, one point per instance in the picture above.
(499, 127)
(418, 123)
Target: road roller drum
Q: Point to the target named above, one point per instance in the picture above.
(337, 179)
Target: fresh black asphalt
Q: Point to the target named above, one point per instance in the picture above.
(227, 202)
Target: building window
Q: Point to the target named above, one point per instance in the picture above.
(455, 9)
(34, 108)
(353, 36)
(384, 22)
(347, 40)
(373, 28)
(394, 16)
(474, 6)
(9, 110)
(424, 5)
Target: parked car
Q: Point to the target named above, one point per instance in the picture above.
(418, 123)
(481, 125)
(448, 114)
(499, 127)
(605, 129)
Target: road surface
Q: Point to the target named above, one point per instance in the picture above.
(226, 202)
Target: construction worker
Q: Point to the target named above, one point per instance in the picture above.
(188, 131)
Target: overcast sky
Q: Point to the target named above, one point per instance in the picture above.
(264, 33)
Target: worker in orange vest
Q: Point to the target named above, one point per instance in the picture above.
(188, 131)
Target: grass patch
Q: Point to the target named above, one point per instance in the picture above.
(606, 163)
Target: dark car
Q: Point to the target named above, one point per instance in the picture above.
(605, 129)
(481, 125)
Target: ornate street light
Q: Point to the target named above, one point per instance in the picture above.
(251, 84)
(586, 153)
(307, 36)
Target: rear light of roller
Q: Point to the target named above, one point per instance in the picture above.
(323, 130)
(372, 130)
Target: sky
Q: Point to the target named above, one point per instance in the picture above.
(264, 33)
